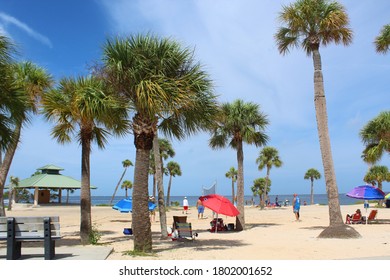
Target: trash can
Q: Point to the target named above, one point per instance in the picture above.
(387, 203)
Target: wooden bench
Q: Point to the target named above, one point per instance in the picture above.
(19, 229)
(184, 231)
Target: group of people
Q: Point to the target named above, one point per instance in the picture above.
(296, 205)
(199, 206)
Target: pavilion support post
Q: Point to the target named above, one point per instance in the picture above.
(59, 195)
(36, 196)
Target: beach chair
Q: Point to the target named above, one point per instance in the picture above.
(178, 219)
(184, 231)
(371, 218)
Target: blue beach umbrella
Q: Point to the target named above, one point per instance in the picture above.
(126, 205)
(366, 192)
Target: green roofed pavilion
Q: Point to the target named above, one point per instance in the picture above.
(49, 178)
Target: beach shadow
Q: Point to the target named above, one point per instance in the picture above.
(120, 221)
(315, 228)
(260, 225)
(200, 245)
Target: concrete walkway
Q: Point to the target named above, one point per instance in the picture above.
(77, 252)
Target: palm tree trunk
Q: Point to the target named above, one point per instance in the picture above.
(85, 194)
(169, 190)
(141, 222)
(312, 191)
(336, 228)
(240, 219)
(6, 164)
(117, 185)
(160, 187)
(233, 189)
(323, 133)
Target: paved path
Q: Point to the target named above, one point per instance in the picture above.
(77, 252)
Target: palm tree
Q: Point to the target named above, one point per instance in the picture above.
(31, 81)
(167, 91)
(11, 101)
(126, 164)
(375, 135)
(239, 123)
(260, 187)
(12, 105)
(80, 107)
(127, 185)
(14, 183)
(382, 41)
(377, 175)
(312, 174)
(173, 171)
(268, 157)
(310, 24)
(232, 174)
(165, 150)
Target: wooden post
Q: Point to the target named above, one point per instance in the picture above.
(36, 196)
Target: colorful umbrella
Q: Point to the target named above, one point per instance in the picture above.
(125, 205)
(387, 196)
(219, 204)
(366, 192)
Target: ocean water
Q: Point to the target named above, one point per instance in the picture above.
(318, 199)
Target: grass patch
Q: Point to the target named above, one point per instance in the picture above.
(139, 254)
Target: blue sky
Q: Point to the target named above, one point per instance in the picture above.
(234, 41)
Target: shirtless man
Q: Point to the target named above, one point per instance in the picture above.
(199, 205)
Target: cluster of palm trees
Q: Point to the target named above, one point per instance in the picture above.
(147, 85)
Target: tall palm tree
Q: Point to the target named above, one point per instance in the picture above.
(377, 175)
(310, 24)
(239, 123)
(312, 174)
(232, 174)
(268, 157)
(173, 171)
(163, 151)
(32, 82)
(126, 164)
(382, 41)
(127, 185)
(167, 91)
(81, 108)
(376, 136)
(12, 104)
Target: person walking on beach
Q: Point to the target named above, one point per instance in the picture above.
(199, 205)
(296, 206)
(185, 205)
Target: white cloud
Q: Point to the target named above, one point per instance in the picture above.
(7, 19)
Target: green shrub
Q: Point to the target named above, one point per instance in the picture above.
(94, 235)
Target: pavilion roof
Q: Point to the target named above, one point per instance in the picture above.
(50, 180)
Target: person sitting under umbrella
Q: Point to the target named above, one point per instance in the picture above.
(356, 217)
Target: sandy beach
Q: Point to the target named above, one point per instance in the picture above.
(271, 234)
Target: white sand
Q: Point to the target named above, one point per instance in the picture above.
(270, 234)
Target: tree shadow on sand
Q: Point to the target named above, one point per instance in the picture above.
(200, 245)
(249, 226)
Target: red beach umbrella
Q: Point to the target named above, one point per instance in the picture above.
(219, 204)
